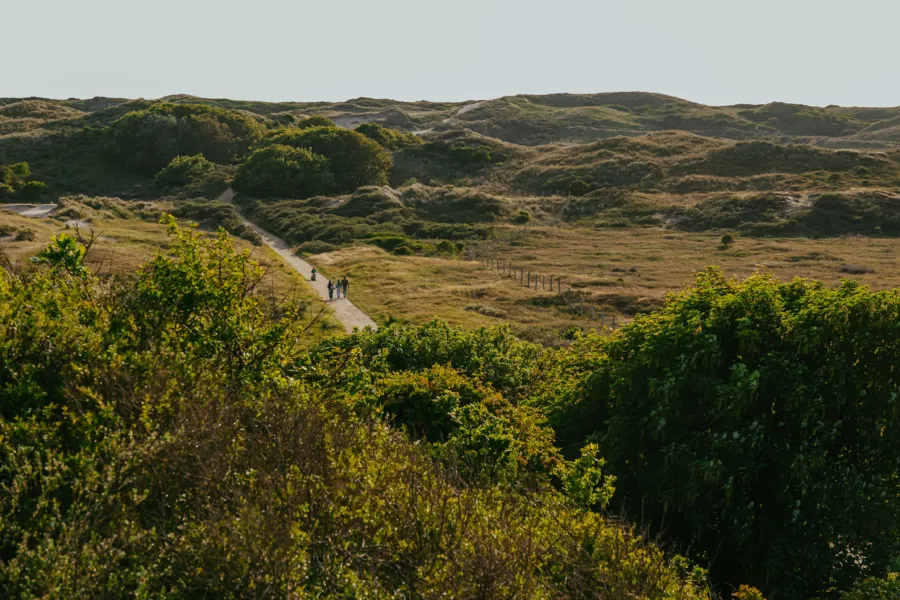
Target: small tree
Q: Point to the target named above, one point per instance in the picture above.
(64, 253)
(727, 240)
(184, 170)
(523, 218)
(579, 188)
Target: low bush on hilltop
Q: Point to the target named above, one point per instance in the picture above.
(391, 139)
(147, 140)
(167, 436)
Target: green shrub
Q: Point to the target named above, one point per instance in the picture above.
(214, 215)
(446, 247)
(31, 191)
(184, 170)
(758, 417)
(403, 251)
(314, 121)
(283, 171)
(16, 185)
(354, 159)
(389, 138)
(579, 188)
(390, 242)
(147, 140)
(873, 588)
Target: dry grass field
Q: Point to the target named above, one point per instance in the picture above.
(619, 272)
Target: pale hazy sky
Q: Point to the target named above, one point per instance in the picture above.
(712, 51)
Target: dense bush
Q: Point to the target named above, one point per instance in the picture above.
(314, 121)
(354, 159)
(16, 184)
(147, 140)
(391, 139)
(756, 424)
(184, 170)
(283, 171)
(166, 436)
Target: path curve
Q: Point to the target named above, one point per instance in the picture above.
(346, 312)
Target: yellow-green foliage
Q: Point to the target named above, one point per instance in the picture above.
(167, 437)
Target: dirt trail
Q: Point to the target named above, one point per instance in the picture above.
(347, 312)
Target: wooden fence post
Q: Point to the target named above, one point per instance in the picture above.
(528, 283)
(559, 285)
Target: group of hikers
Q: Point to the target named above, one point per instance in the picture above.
(338, 287)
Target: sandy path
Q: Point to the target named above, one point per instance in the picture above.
(30, 210)
(347, 312)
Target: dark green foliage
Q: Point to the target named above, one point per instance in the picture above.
(355, 160)
(147, 140)
(213, 215)
(727, 240)
(31, 191)
(523, 218)
(284, 171)
(579, 188)
(16, 184)
(755, 423)
(446, 247)
(388, 138)
(184, 170)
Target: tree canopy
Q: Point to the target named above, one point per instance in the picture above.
(354, 159)
(284, 171)
(147, 140)
(757, 424)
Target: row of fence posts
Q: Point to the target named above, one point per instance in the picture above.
(544, 282)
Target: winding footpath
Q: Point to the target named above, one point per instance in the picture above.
(346, 312)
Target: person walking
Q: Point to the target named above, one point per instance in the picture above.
(312, 275)
(330, 291)
(345, 284)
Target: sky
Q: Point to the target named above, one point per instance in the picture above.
(711, 51)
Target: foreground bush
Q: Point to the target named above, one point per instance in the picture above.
(167, 437)
(755, 423)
